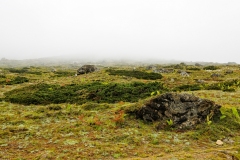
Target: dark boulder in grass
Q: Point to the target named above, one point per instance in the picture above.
(86, 69)
(182, 111)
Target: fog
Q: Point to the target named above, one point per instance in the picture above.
(187, 30)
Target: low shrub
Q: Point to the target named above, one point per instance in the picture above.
(136, 74)
(17, 80)
(73, 93)
(14, 70)
(211, 68)
(63, 74)
(219, 128)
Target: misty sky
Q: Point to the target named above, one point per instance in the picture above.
(187, 30)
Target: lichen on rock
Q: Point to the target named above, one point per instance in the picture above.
(184, 110)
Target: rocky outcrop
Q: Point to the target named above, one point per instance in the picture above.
(182, 110)
(184, 74)
(229, 71)
(215, 75)
(163, 70)
(86, 69)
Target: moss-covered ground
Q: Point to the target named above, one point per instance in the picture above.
(57, 115)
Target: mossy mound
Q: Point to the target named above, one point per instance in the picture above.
(211, 68)
(16, 80)
(75, 93)
(136, 74)
(63, 73)
(24, 70)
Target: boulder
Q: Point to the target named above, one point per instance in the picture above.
(229, 71)
(200, 81)
(183, 110)
(163, 70)
(184, 74)
(86, 69)
(215, 75)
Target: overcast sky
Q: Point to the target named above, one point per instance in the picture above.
(188, 30)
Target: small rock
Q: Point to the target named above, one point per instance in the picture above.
(200, 81)
(219, 142)
(172, 80)
(184, 74)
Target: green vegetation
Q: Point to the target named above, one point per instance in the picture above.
(189, 87)
(211, 68)
(219, 128)
(14, 70)
(194, 68)
(136, 74)
(73, 93)
(24, 70)
(16, 80)
(227, 86)
(91, 116)
(64, 73)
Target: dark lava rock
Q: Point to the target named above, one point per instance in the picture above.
(163, 70)
(229, 72)
(86, 69)
(216, 75)
(184, 110)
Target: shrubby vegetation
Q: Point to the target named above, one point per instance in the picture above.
(73, 93)
(194, 68)
(14, 70)
(16, 80)
(80, 117)
(227, 86)
(219, 129)
(211, 68)
(63, 74)
(23, 70)
(136, 74)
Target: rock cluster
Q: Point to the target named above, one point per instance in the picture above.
(163, 70)
(183, 110)
(229, 72)
(214, 75)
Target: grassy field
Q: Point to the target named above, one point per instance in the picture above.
(56, 115)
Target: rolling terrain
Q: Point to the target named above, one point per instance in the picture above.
(48, 112)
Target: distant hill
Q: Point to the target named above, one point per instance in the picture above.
(55, 61)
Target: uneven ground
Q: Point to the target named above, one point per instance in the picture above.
(92, 130)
